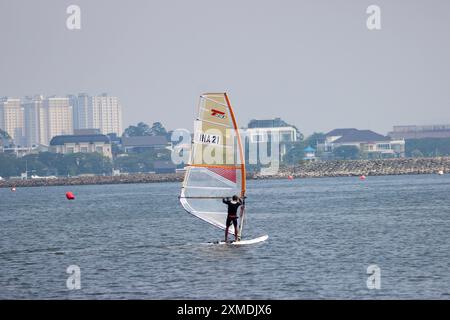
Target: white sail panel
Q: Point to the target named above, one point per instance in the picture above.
(203, 192)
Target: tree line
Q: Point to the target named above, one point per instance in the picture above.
(55, 164)
(414, 148)
(47, 163)
(427, 147)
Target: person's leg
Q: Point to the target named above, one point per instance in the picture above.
(227, 224)
(235, 229)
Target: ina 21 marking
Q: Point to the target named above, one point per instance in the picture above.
(209, 138)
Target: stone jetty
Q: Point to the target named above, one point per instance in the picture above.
(345, 168)
(310, 169)
(85, 180)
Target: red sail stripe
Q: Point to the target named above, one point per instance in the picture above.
(229, 174)
(214, 112)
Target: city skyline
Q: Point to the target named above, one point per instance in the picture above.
(86, 113)
(35, 120)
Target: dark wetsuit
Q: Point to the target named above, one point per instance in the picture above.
(232, 211)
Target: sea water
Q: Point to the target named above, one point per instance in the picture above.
(134, 241)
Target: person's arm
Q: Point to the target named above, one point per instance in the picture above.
(225, 200)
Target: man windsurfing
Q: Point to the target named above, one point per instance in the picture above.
(232, 217)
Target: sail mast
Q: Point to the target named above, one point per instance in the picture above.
(243, 172)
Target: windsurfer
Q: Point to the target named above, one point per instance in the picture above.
(233, 205)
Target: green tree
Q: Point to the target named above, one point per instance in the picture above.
(51, 161)
(295, 153)
(95, 163)
(346, 153)
(416, 153)
(158, 129)
(428, 147)
(140, 162)
(141, 129)
(33, 165)
(129, 163)
(4, 135)
(315, 139)
(9, 165)
(5, 138)
(84, 163)
(45, 163)
(115, 150)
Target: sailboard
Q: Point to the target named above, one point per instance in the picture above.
(243, 242)
(216, 169)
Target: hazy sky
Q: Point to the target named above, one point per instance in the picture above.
(313, 63)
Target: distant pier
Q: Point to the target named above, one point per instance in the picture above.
(379, 167)
(309, 169)
(87, 180)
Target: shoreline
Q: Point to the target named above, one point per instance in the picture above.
(351, 168)
(94, 180)
(314, 169)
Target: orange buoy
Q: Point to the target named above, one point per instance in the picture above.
(363, 177)
(290, 177)
(70, 196)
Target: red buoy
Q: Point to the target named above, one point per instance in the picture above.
(70, 196)
(363, 177)
(290, 177)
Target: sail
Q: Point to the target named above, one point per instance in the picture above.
(217, 166)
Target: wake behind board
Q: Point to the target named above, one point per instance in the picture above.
(244, 242)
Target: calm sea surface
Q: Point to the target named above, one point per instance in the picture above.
(136, 242)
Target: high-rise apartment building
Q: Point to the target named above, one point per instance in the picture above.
(56, 118)
(32, 108)
(98, 112)
(107, 114)
(36, 120)
(11, 119)
(45, 118)
(81, 111)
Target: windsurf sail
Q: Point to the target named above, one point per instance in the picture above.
(217, 164)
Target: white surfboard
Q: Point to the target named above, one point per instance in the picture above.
(244, 242)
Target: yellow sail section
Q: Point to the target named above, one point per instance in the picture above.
(214, 133)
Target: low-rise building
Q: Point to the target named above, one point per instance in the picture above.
(144, 143)
(369, 143)
(86, 131)
(19, 151)
(420, 132)
(310, 153)
(81, 143)
(261, 132)
(161, 167)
